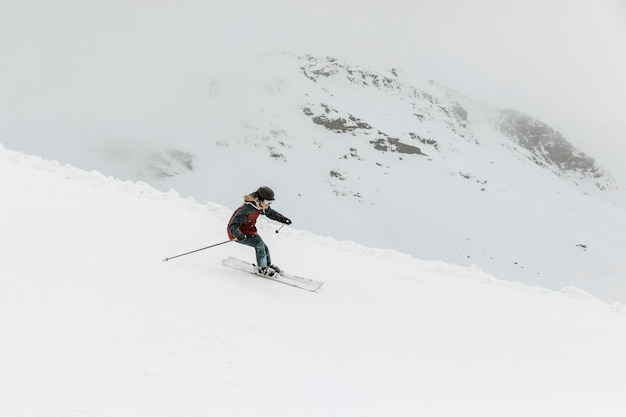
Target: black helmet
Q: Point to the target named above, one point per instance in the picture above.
(265, 193)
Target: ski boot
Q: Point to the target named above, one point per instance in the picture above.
(265, 271)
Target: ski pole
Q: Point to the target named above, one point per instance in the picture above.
(197, 250)
(278, 230)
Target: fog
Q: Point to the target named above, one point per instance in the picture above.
(73, 71)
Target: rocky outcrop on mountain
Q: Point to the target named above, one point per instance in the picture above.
(331, 120)
(435, 108)
(387, 144)
(546, 146)
(315, 68)
(169, 163)
(380, 115)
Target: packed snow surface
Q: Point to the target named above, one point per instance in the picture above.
(94, 323)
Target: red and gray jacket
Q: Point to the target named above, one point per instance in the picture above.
(243, 221)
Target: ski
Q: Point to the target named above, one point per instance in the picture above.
(293, 280)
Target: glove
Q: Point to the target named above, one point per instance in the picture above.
(240, 238)
(287, 221)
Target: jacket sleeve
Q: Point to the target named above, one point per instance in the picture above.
(274, 215)
(238, 219)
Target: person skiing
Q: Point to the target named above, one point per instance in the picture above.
(242, 227)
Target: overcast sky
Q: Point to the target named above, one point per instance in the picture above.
(562, 61)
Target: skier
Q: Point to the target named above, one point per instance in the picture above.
(242, 227)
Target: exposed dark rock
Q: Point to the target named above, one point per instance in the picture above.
(185, 158)
(430, 142)
(340, 124)
(388, 144)
(547, 146)
(337, 174)
(172, 163)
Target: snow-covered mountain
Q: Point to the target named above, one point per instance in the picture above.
(95, 324)
(379, 158)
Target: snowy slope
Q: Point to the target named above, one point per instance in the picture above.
(94, 323)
